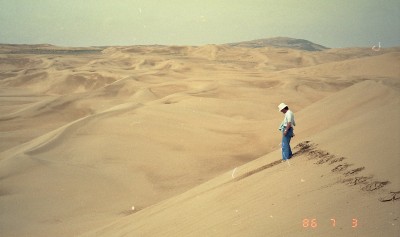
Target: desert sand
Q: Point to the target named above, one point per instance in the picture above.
(183, 141)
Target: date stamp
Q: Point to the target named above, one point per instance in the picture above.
(313, 222)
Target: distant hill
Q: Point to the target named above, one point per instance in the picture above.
(46, 49)
(280, 42)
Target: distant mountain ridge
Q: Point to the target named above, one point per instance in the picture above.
(280, 42)
(46, 49)
(276, 42)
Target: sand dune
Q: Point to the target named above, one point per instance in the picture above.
(86, 135)
(346, 186)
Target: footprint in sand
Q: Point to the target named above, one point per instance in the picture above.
(392, 196)
(354, 171)
(340, 167)
(324, 159)
(356, 180)
(375, 185)
(335, 160)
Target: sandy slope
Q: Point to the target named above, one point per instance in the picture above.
(343, 179)
(84, 137)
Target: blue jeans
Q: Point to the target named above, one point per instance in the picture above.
(286, 150)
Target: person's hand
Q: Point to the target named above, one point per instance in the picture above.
(284, 133)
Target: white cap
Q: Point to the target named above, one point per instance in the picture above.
(282, 106)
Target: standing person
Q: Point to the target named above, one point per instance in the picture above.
(286, 128)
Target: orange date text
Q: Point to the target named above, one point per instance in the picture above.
(313, 222)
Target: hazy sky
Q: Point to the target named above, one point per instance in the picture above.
(332, 23)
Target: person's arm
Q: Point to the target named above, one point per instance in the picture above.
(289, 125)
